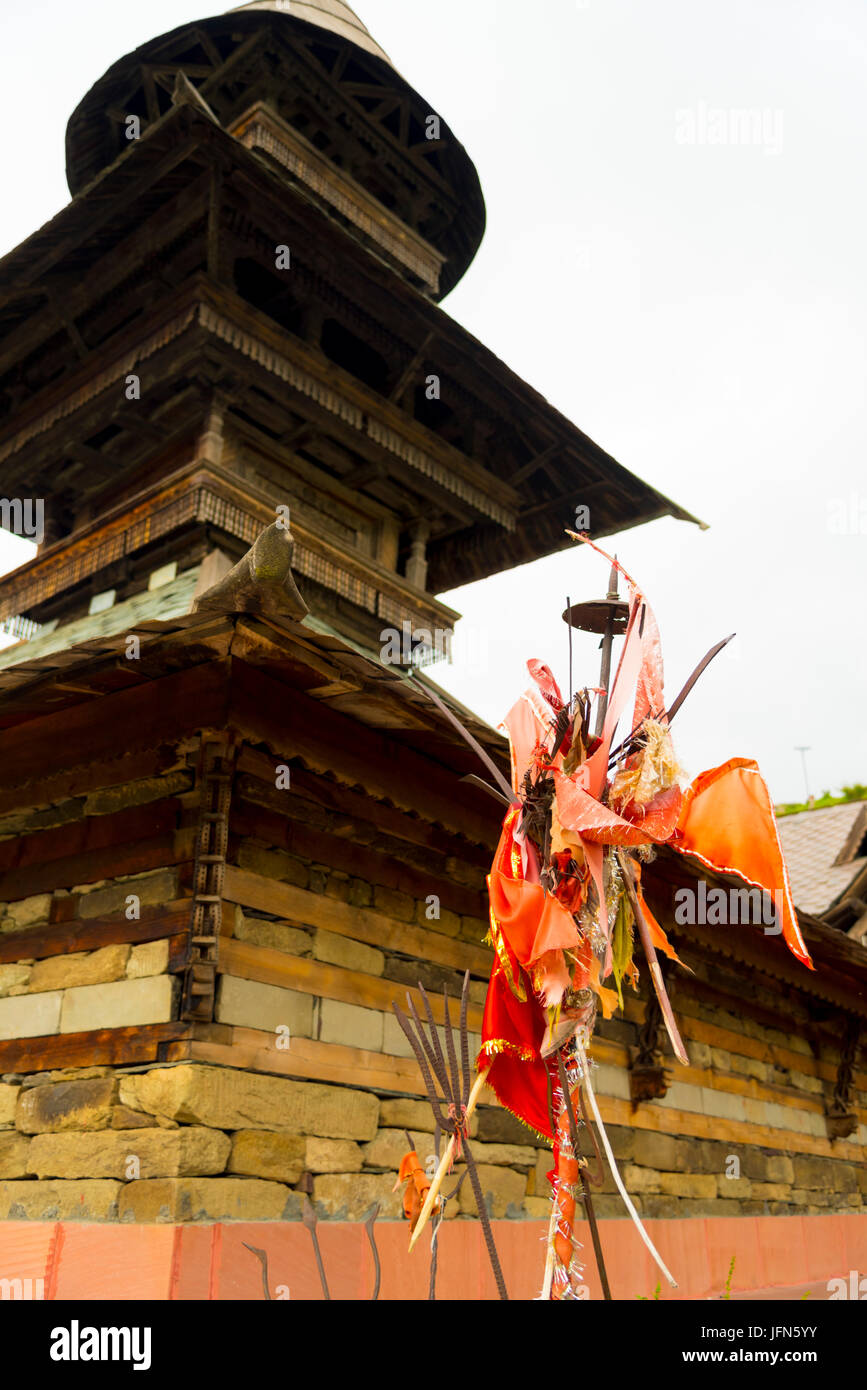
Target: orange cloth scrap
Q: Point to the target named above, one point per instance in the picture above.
(416, 1186)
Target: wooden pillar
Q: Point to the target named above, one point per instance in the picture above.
(416, 565)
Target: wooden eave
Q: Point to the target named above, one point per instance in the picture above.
(318, 671)
(840, 977)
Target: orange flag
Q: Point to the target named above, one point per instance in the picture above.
(728, 822)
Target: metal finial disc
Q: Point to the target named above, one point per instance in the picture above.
(594, 615)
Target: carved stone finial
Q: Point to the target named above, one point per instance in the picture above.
(261, 582)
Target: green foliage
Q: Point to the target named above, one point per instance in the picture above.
(857, 792)
(643, 1296)
(728, 1292)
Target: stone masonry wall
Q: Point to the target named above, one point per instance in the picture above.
(235, 1127)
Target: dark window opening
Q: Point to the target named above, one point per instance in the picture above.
(265, 290)
(354, 355)
(96, 441)
(392, 121)
(440, 418)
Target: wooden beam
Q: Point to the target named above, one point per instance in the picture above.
(150, 91)
(528, 469)
(102, 1047)
(115, 725)
(283, 900)
(128, 824)
(272, 967)
(361, 861)
(664, 1119)
(579, 494)
(209, 47)
(294, 726)
(842, 990)
(313, 1061)
(387, 819)
(89, 934)
(411, 367)
(224, 71)
(111, 772)
(364, 474)
(165, 76)
(161, 852)
(215, 193)
(697, 1030)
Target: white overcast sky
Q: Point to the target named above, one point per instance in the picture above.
(697, 308)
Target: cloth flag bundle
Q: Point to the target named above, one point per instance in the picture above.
(566, 896)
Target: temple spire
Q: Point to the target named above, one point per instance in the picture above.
(335, 15)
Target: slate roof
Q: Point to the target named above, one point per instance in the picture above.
(171, 600)
(811, 841)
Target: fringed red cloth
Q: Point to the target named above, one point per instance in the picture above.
(512, 1034)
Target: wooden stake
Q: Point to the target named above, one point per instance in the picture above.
(545, 1295)
(652, 962)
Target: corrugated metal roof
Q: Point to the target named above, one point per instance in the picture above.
(811, 842)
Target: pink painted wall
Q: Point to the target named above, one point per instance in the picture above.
(775, 1256)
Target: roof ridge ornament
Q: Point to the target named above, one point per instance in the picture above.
(261, 582)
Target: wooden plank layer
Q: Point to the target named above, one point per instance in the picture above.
(271, 967)
(295, 726)
(314, 1061)
(400, 825)
(160, 853)
(361, 923)
(102, 1047)
(89, 934)
(845, 991)
(123, 827)
(723, 996)
(317, 1061)
(615, 1054)
(307, 842)
(666, 1120)
(112, 772)
(840, 977)
(741, 1045)
(115, 725)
